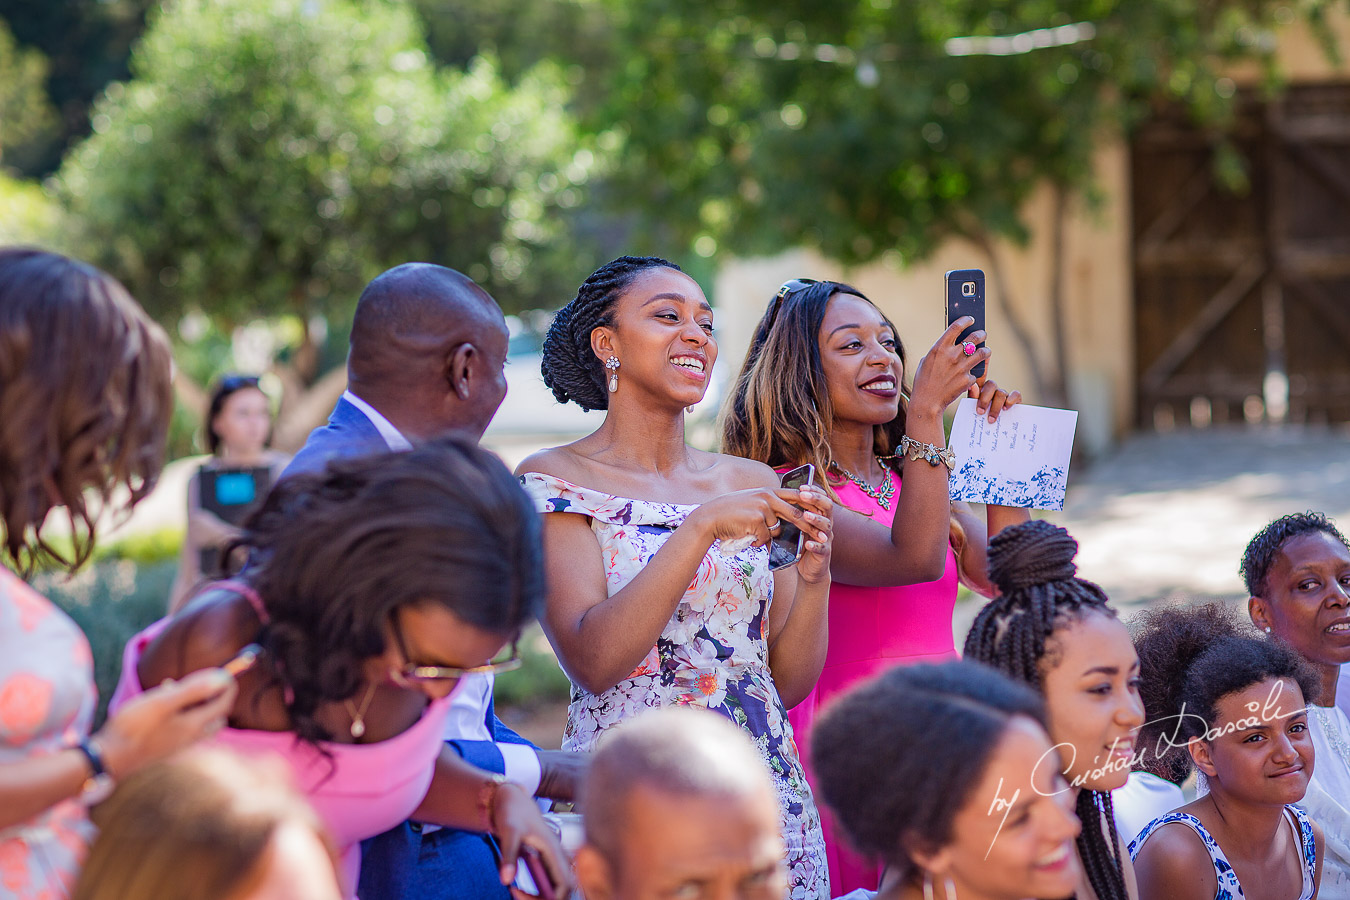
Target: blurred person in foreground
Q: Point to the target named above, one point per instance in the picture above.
(85, 400)
(237, 474)
(373, 589)
(209, 826)
(945, 773)
(427, 357)
(1297, 573)
(678, 804)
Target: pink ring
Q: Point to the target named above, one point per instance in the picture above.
(968, 348)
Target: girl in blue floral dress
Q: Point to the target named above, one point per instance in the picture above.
(660, 592)
(1232, 705)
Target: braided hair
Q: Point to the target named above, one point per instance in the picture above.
(570, 368)
(1032, 566)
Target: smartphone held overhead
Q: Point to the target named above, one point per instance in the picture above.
(965, 297)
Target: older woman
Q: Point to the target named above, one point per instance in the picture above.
(85, 402)
(1297, 571)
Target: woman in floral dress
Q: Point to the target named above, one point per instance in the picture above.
(660, 592)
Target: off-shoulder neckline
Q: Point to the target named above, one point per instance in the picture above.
(579, 487)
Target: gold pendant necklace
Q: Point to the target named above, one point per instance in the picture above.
(882, 494)
(359, 717)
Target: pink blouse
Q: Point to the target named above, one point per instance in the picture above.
(358, 790)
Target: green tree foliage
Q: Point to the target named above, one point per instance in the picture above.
(86, 43)
(27, 120)
(756, 125)
(268, 157)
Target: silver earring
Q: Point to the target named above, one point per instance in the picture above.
(689, 410)
(927, 886)
(949, 888)
(1267, 629)
(613, 365)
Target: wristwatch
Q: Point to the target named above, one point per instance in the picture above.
(99, 784)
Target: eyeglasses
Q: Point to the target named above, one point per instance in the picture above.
(424, 674)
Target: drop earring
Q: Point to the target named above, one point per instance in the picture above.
(613, 365)
(689, 410)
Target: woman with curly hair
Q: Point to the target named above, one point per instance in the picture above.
(85, 400)
(1297, 572)
(660, 591)
(1234, 710)
(372, 588)
(1055, 631)
(940, 770)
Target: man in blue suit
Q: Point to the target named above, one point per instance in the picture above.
(428, 352)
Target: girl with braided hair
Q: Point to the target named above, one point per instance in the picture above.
(1233, 708)
(1056, 632)
(659, 590)
(902, 550)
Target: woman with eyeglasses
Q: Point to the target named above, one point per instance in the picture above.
(372, 588)
(236, 476)
(900, 554)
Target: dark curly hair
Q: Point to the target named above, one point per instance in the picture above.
(337, 552)
(571, 369)
(1032, 566)
(85, 401)
(1190, 658)
(1261, 552)
(928, 731)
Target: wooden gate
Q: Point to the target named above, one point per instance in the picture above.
(1242, 300)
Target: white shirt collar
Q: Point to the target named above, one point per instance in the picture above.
(392, 436)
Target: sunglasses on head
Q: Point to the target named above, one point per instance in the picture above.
(236, 382)
(794, 285)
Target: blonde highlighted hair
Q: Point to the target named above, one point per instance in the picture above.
(779, 411)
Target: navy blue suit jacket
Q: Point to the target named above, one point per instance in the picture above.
(404, 863)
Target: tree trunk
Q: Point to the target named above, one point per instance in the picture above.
(1059, 380)
(1003, 297)
(304, 408)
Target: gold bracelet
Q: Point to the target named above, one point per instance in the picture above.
(487, 799)
(929, 453)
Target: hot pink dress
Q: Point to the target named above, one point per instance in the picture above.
(358, 790)
(871, 629)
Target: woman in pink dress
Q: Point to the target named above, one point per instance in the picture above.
(85, 400)
(899, 555)
(372, 588)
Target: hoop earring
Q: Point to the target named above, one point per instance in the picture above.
(949, 888)
(613, 365)
(927, 886)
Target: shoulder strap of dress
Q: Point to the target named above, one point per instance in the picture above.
(1307, 842)
(249, 594)
(1211, 846)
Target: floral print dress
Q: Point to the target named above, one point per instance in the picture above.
(712, 653)
(47, 700)
(1229, 888)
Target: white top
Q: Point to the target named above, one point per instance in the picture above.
(468, 707)
(1143, 798)
(1328, 797)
